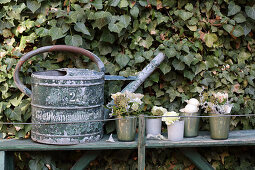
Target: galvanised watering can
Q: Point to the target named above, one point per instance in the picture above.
(63, 99)
(65, 95)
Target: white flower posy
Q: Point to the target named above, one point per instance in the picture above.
(191, 107)
(170, 120)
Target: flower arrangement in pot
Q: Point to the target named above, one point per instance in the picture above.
(191, 124)
(175, 126)
(217, 105)
(153, 124)
(126, 107)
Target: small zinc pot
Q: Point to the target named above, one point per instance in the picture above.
(175, 131)
(153, 126)
(191, 124)
(126, 128)
(219, 126)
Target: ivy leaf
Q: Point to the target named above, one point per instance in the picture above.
(134, 11)
(185, 15)
(122, 60)
(233, 8)
(147, 42)
(139, 59)
(114, 3)
(165, 67)
(75, 40)
(170, 52)
(199, 68)
(192, 27)
(107, 37)
(188, 74)
(188, 59)
(243, 56)
(178, 65)
(250, 11)
(167, 3)
(189, 7)
(33, 5)
(249, 90)
(228, 27)
(56, 33)
(102, 14)
(125, 20)
(98, 4)
(13, 114)
(4, 1)
(207, 79)
(246, 28)
(250, 80)
(17, 100)
(42, 32)
(239, 18)
(238, 31)
(155, 77)
(210, 39)
(123, 4)
(80, 27)
(115, 27)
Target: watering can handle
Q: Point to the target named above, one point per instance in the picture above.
(30, 54)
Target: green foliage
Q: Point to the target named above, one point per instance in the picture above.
(207, 43)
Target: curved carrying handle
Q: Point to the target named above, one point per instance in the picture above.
(30, 54)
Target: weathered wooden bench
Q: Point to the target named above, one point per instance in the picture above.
(186, 146)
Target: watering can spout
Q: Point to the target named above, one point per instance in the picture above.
(141, 77)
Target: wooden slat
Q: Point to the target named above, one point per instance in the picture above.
(29, 145)
(141, 143)
(243, 137)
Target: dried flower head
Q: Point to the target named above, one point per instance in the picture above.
(158, 111)
(126, 103)
(213, 102)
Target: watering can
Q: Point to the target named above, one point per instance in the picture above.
(72, 96)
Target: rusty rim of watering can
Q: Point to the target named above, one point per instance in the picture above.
(67, 48)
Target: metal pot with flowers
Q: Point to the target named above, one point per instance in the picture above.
(126, 107)
(191, 123)
(154, 123)
(217, 105)
(175, 126)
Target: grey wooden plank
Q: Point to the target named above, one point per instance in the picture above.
(29, 145)
(237, 138)
(243, 137)
(141, 143)
(84, 161)
(6, 160)
(196, 158)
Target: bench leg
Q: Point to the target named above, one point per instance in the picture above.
(196, 158)
(84, 161)
(6, 160)
(141, 143)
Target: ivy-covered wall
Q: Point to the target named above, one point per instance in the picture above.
(208, 43)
